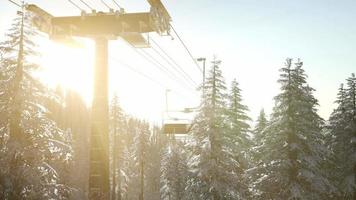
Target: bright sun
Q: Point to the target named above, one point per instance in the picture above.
(68, 67)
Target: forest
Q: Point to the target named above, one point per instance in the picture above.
(289, 154)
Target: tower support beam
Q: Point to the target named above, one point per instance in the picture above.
(99, 140)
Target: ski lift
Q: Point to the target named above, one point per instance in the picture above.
(176, 126)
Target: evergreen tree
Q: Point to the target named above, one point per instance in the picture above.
(56, 111)
(237, 138)
(154, 160)
(174, 171)
(130, 183)
(256, 154)
(237, 113)
(31, 142)
(135, 159)
(77, 121)
(117, 128)
(141, 142)
(212, 162)
(260, 126)
(343, 139)
(293, 144)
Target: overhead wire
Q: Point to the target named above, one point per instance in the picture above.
(15, 3)
(136, 71)
(150, 61)
(117, 4)
(133, 69)
(187, 79)
(186, 48)
(87, 5)
(157, 63)
(175, 65)
(105, 4)
(75, 5)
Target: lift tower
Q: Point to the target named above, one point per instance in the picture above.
(102, 27)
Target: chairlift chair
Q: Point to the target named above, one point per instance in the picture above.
(176, 126)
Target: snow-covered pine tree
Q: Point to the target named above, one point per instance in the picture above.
(343, 139)
(351, 98)
(117, 129)
(141, 143)
(31, 141)
(255, 153)
(77, 120)
(135, 159)
(174, 170)
(335, 137)
(56, 111)
(212, 162)
(152, 186)
(237, 116)
(237, 138)
(261, 124)
(130, 183)
(293, 144)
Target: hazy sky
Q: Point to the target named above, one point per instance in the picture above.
(251, 37)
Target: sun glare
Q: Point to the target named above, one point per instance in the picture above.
(69, 67)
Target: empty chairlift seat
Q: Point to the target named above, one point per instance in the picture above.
(175, 128)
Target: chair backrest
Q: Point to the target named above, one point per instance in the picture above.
(175, 128)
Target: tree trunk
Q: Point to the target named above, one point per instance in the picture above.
(113, 194)
(141, 178)
(15, 120)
